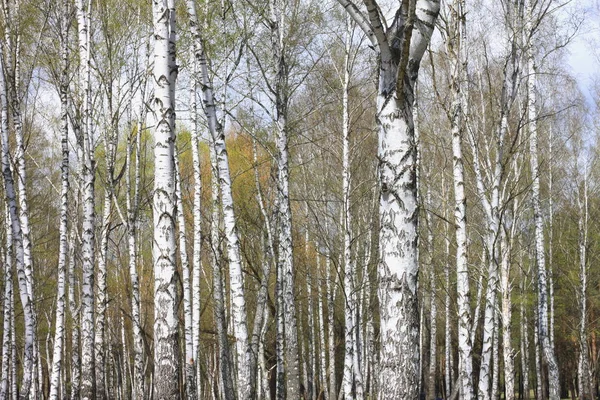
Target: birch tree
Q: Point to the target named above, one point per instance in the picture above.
(544, 337)
(59, 334)
(457, 49)
(87, 169)
(25, 289)
(166, 345)
(400, 42)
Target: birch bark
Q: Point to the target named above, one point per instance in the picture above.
(25, 293)
(190, 358)
(583, 368)
(166, 345)
(458, 52)
(59, 330)
(544, 337)
(88, 359)
(5, 387)
(398, 270)
(245, 384)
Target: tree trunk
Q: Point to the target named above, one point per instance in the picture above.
(583, 368)
(548, 350)
(166, 343)
(8, 308)
(190, 358)
(25, 293)
(59, 330)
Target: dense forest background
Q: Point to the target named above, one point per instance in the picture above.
(262, 272)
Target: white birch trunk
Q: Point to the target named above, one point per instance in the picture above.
(432, 373)
(26, 296)
(190, 358)
(398, 270)
(74, 310)
(197, 241)
(101, 301)
(284, 227)
(262, 297)
(225, 367)
(507, 349)
(7, 312)
(548, 350)
(458, 51)
(524, 339)
(448, 363)
(330, 293)
(132, 204)
(495, 395)
(88, 359)
(349, 267)
(59, 330)
(583, 368)
(166, 346)
(245, 384)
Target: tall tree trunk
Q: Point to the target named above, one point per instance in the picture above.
(583, 368)
(88, 359)
(398, 269)
(25, 293)
(330, 292)
(132, 204)
(432, 374)
(190, 358)
(448, 363)
(524, 337)
(59, 330)
(197, 241)
(7, 311)
(458, 51)
(225, 367)
(284, 226)
(245, 384)
(507, 349)
(350, 324)
(166, 343)
(548, 350)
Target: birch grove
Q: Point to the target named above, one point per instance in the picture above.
(252, 200)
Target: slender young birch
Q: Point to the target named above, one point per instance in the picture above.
(25, 294)
(88, 359)
(225, 368)
(166, 344)
(7, 312)
(59, 330)
(197, 240)
(350, 325)
(524, 337)
(548, 350)
(281, 93)
(74, 310)
(261, 300)
(457, 48)
(190, 359)
(132, 203)
(330, 291)
(399, 60)
(505, 289)
(431, 387)
(448, 362)
(583, 368)
(101, 288)
(245, 383)
(13, 82)
(551, 237)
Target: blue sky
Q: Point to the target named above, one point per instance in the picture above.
(584, 57)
